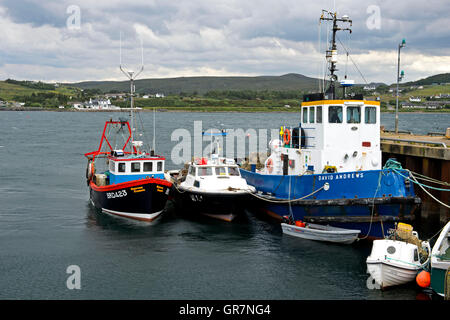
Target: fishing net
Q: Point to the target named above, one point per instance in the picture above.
(404, 232)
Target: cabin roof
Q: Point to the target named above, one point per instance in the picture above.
(329, 102)
(134, 158)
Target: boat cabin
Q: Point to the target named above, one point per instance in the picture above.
(333, 136)
(123, 168)
(211, 171)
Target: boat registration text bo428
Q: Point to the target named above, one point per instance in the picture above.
(117, 194)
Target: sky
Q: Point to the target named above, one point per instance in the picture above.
(72, 41)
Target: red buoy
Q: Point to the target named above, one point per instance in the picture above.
(423, 279)
(300, 223)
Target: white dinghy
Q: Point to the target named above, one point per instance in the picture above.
(319, 232)
(398, 259)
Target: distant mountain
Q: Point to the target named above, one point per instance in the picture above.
(438, 78)
(201, 85)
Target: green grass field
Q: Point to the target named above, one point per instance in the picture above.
(10, 92)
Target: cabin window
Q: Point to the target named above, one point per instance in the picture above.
(233, 171)
(370, 115)
(335, 114)
(319, 114)
(135, 167)
(148, 166)
(159, 166)
(221, 171)
(121, 166)
(205, 171)
(311, 114)
(112, 166)
(305, 115)
(192, 171)
(353, 115)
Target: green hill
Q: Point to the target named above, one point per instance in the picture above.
(438, 78)
(201, 85)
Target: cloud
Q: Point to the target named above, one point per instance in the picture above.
(217, 37)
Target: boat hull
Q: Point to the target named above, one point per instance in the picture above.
(440, 262)
(142, 200)
(224, 206)
(387, 274)
(438, 279)
(343, 236)
(370, 201)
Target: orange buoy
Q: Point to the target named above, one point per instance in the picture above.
(287, 136)
(423, 279)
(300, 223)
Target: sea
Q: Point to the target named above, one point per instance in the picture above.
(48, 228)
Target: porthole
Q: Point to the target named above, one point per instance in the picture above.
(391, 250)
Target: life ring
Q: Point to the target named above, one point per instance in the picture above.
(269, 165)
(90, 170)
(287, 136)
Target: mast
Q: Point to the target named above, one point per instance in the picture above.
(132, 76)
(331, 54)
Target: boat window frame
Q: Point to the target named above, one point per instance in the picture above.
(312, 114)
(234, 175)
(305, 113)
(192, 170)
(366, 108)
(342, 114)
(225, 171)
(132, 169)
(199, 174)
(120, 166)
(159, 166)
(149, 163)
(317, 114)
(350, 114)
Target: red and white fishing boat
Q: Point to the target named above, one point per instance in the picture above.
(132, 184)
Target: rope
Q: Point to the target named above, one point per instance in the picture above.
(373, 208)
(354, 63)
(286, 201)
(395, 166)
(418, 183)
(392, 164)
(434, 198)
(429, 179)
(437, 233)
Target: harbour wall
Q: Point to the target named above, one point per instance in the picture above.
(427, 155)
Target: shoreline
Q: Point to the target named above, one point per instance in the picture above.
(187, 110)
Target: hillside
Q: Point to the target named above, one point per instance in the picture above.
(18, 90)
(438, 78)
(201, 85)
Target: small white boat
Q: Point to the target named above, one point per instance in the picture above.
(397, 260)
(440, 261)
(212, 187)
(319, 232)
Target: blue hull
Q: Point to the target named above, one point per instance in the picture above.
(371, 201)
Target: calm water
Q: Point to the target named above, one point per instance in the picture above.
(47, 224)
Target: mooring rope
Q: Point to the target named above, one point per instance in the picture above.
(286, 201)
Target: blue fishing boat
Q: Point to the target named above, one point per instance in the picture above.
(328, 170)
(132, 185)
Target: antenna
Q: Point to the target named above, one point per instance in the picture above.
(331, 54)
(130, 74)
